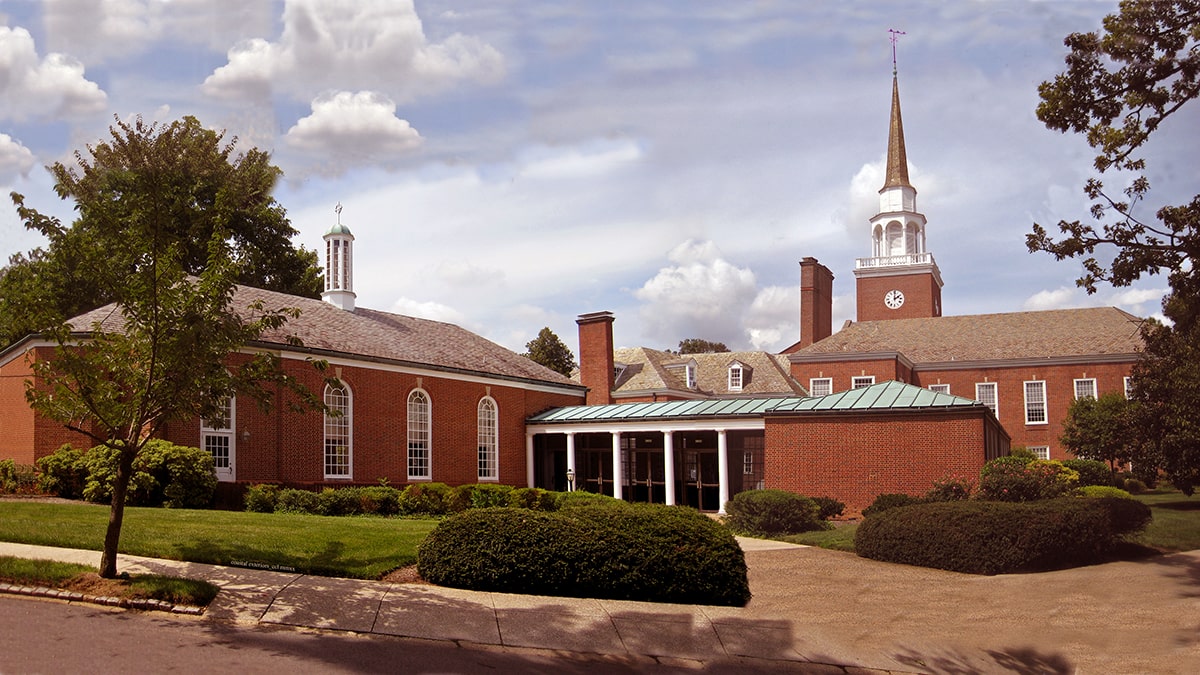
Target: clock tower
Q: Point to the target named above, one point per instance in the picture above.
(900, 280)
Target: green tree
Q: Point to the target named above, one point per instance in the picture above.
(1104, 429)
(195, 190)
(699, 346)
(159, 352)
(1120, 87)
(548, 350)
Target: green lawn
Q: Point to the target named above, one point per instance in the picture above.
(361, 548)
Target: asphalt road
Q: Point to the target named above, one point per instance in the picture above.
(41, 636)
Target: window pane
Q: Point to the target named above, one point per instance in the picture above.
(985, 393)
(860, 382)
(1085, 388)
(820, 386)
(488, 441)
(1035, 402)
(337, 432)
(418, 435)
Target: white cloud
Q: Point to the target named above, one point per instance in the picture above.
(99, 30)
(1059, 298)
(377, 45)
(353, 129)
(773, 320)
(434, 311)
(700, 296)
(15, 159)
(466, 275)
(581, 161)
(1137, 301)
(33, 87)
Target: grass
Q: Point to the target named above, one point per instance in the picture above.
(360, 548)
(73, 576)
(840, 538)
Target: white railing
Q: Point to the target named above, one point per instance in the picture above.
(894, 260)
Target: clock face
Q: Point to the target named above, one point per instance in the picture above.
(894, 299)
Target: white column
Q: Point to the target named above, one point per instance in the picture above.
(571, 461)
(669, 466)
(617, 465)
(722, 470)
(528, 460)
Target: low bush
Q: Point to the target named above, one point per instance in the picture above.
(828, 507)
(570, 500)
(261, 498)
(427, 499)
(772, 512)
(380, 500)
(637, 552)
(479, 496)
(339, 502)
(1134, 486)
(888, 501)
(1012, 479)
(63, 473)
(1091, 471)
(982, 537)
(950, 489)
(164, 474)
(1102, 491)
(291, 500)
(535, 499)
(15, 478)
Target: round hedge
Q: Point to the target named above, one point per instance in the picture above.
(633, 552)
(773, 512)
(981, 537)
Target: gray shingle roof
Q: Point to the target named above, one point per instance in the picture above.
(374, 335)
(647, 370)
(981, 337)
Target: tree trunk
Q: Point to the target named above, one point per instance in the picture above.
(116, 514)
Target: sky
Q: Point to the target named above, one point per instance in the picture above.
(508, 165)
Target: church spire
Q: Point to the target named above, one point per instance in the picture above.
(897, 159)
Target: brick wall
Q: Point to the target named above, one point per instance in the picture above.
(596, 356)
(922, 297)
(854, 458)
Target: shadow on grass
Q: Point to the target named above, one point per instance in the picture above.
(1182, 505)
(332, 561)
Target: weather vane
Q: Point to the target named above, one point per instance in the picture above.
(338, 210)
(894, 38)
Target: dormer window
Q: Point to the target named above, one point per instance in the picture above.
(735, 376)
(618, 371)
(691, 374)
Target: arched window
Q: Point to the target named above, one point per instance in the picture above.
(339, 427)
(895, 239)
(418, 435)
(218, 436)
(489, 440)
(911, 238)
(877, 241)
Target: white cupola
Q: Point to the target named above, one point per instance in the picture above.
(339, 265)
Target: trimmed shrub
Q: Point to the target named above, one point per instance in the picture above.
(430, 499)
(772, 512)
(8, 476)
(63, 473)
(1012, 479)
(17, 478)
(888, 501)
(261, 498)
(380, 500)
(480, 496)
(340, 502)
(570, 500)
(291, 500)
(981, 537)
(1134, 486)
(828, 507)
(535, 499)
(1102, 491)
(1091, 471)
(164, 474)
(950, 489)
(638, 552)
(1022, 453)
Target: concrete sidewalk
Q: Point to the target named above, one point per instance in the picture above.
(813, 610)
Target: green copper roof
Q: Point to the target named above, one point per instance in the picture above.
(884, 396)
(890, 395)
(338, 228)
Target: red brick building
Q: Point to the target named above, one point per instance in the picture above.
(420, 400)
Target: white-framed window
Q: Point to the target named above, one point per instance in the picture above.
(217, 436)
(1085, 387)
(940, 388)
(691, 374)
(1040, 451)
(339, 426)
(820, 386)
(488, 440)
(418, 435)
(985, 393)
(1128, 381)
(735, 377)
(862, 381)
(1035, 402)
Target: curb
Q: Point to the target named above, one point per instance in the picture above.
(144, 604)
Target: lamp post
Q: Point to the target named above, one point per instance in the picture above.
(570, 480)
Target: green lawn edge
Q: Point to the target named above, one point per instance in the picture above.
(55, 574)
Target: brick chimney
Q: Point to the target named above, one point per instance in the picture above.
(816, 302)
(596, 356)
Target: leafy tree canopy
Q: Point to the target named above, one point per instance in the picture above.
(1119, 88)
(1103, 429)
(699, 346)
(548, 350)
(201, 187)
(149, 211)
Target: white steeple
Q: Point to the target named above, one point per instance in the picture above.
(339, 265)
